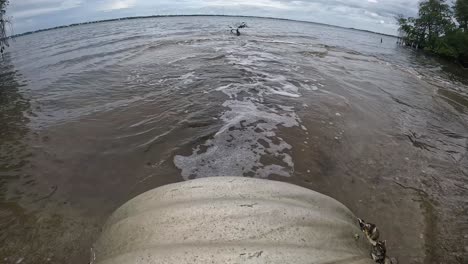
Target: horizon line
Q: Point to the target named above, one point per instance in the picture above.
(190, 15)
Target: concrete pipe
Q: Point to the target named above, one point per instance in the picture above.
(231, 220)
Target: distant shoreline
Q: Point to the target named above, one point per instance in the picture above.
(194, 15)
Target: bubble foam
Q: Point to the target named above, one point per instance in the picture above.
(247, 144)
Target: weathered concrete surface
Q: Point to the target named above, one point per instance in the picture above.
(231, 220)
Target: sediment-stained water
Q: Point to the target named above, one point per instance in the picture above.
(94, 115)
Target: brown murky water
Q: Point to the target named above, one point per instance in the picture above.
(94, 115)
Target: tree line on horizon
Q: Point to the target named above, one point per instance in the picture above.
(439, 28)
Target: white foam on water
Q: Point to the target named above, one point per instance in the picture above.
(237, 148)
(278, 41)
(183, 59)
(187, 78)
(309, 87)
(411, 71)
(286, 108)
(247, 144)
(272, 169)
(283, 93)
(287, 90)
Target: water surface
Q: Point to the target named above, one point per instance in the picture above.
(94, 115)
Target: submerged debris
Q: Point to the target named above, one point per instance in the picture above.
(379, 248)
(379, 252)
(370, 230)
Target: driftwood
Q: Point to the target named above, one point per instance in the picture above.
(235, 30)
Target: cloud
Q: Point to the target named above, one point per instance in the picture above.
(29, 8)
(248, 3)
(364, 14)
(117, 4)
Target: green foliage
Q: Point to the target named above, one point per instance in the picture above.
(434, 29)
(461, 13)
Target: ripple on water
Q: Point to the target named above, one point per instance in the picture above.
(115, 100)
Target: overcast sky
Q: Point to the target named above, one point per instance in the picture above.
(374, 15)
